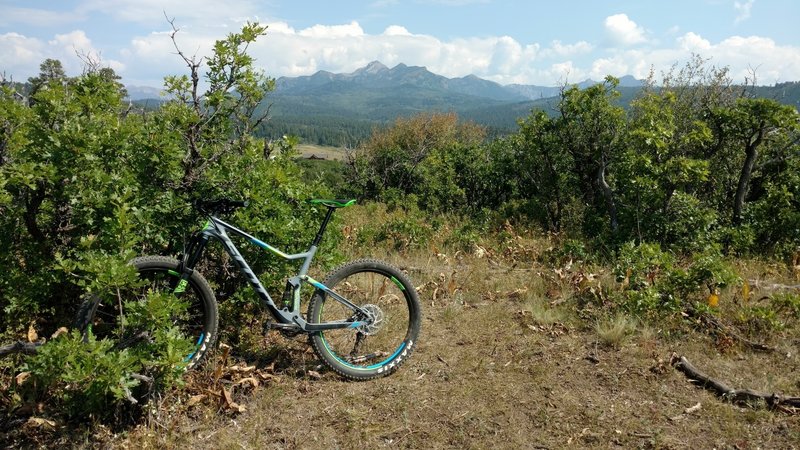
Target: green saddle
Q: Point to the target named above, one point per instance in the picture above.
(334, 203)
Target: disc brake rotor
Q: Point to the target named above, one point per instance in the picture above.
(374, 319)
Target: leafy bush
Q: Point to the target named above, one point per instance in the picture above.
(644, 272)
(465, 236)
(89, 377)
(653, 282)
(85, 184)
(84, 378)
(687, 225)
(405, 232)
(568, 250)
(786, 302)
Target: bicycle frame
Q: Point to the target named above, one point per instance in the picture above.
(289, 316)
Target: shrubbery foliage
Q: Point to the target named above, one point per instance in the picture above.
(693, 163)
(86, 182)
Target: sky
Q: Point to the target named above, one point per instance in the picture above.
(507, 41)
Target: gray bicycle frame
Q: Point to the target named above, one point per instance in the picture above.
(218, 229)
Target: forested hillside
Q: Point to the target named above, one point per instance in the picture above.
(342, 109)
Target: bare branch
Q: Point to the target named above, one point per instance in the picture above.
(740, 396)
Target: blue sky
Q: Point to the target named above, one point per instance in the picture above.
(508, 41)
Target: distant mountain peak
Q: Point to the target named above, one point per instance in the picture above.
(373, 68)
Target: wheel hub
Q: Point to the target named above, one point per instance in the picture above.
(373, 319)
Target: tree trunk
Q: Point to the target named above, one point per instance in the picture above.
(747, 173)
(608, 196)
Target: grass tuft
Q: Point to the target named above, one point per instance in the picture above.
(614, 332)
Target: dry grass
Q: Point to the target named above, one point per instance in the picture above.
(504, 361)
(614, 331)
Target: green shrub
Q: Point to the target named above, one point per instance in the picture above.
(405, 232)
(85, 185)
(759, 320)
(568, 250)
(786, 302)
(465, 236)
(688, 224)
(653, 282)
(643, 271)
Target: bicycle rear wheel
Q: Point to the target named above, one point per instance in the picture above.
(123, 316)
(393, 320)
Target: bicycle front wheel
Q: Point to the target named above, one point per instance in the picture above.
(136, 317)
(391, 327)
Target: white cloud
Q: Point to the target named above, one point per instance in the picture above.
(742, 10)
(333, 31)
(630, 62)
(557, 49)
(396, 30)
(344, 47)
(772, 62)
(21, 56)
(692, 42)
(624, 31)
(287, 51)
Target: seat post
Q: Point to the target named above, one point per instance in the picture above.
(324, 225)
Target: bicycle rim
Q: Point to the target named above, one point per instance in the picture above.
(372, 347)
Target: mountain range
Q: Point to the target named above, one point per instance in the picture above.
(343, 108)
(376, 75)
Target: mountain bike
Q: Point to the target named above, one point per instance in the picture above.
(362, 320)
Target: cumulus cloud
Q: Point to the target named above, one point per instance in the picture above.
(20, 55)
(396, 30)
(333, 31)
(291, 52)
(771, 62)
(692, 42)
(624, 31)
(558, 49)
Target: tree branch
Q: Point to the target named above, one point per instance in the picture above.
(739, 396)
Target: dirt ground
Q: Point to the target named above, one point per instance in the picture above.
(491, 371)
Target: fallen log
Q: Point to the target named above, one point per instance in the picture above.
(739, 396)
(27, 348)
